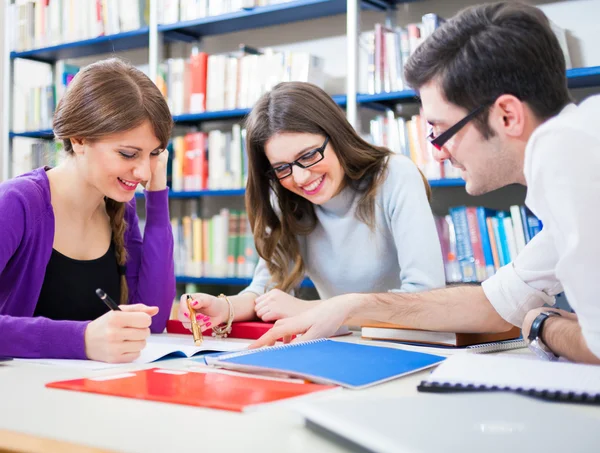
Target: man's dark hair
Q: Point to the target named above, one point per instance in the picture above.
(493, 49)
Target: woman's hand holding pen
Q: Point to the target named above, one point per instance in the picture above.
(158, 178)
(119, 336)
(210, 310)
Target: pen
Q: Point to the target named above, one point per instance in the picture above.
(107, 300)
(195, 327)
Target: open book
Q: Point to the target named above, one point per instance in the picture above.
(158, 346)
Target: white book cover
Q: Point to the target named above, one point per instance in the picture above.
(515, 213)
(510, 238)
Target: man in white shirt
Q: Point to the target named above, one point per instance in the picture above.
(493, 86)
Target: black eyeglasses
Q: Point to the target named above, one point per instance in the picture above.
(305, 161)
(439, 141)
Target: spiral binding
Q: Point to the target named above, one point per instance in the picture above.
(269, 348)
(498, 346)
(552, 395)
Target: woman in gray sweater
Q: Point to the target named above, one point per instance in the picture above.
(324, 203)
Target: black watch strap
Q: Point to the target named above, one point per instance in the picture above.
(538, 324)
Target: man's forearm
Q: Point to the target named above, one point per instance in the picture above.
(563, 336)
(459, 309)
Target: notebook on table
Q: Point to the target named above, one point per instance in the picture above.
(212, 390)
(561, 381)
(326, 361)
(393, 332)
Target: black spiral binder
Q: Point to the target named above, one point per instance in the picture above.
(548, 395)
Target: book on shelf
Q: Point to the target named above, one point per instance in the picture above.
(172, 11)
(219, 246)
(407, 136)
(477, 241)
(235, 80)
(34, 153)
(45, 23)
(214, 160)
(384, 51)
(394, 332)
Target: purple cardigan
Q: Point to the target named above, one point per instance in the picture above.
(26, 238)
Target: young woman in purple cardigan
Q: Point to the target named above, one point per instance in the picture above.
(68, 230)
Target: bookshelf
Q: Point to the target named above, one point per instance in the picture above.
(155, 35)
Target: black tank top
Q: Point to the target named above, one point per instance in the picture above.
(69, 288)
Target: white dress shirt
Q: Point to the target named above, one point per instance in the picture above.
(562, 170)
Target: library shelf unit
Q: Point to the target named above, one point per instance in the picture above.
(155, 35)
(229, 281)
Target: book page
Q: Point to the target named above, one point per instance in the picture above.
(157, 347)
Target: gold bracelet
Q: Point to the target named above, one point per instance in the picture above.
(221, 331)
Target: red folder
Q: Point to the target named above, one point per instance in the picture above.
(246, 330)
(212, 390)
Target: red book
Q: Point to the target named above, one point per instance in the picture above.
(246, 330)
(198, 66)
(212, 390)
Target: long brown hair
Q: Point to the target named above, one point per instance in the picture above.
(105, 98)
(302, 108)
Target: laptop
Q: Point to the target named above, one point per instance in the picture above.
(461, 423)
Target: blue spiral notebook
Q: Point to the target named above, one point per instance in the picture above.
(326, 361)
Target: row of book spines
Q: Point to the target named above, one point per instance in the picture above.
(487, 240)
(209, 161)
(387, 49)
(44, 23)
(220, 246)
(408, 137)
(173, 11)
(41, 100)
(41, 103)
(27, 156)
(227, 82)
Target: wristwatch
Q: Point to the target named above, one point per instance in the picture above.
(534, 339)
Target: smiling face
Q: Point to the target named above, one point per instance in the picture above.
(116, 164)
(485, 164)
(318, 183)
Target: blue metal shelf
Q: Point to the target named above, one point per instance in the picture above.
(208, 193)
(339, 99)
(128, 40)
(233, 281)
(44, 133)
(259, 17)
(389, 98)
(210, 116)
(583, 77)
(202, 193)
(456, 182)
(448, 182)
